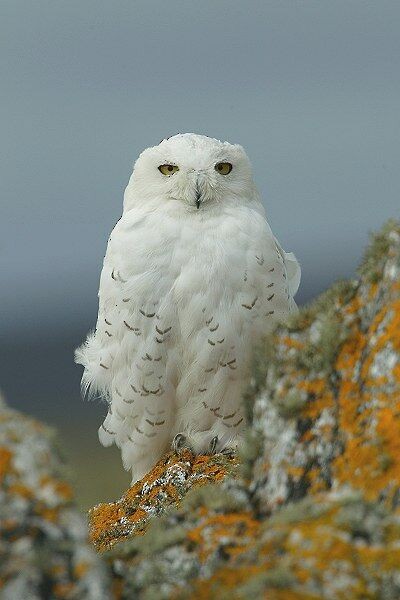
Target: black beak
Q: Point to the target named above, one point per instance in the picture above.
(198, 198)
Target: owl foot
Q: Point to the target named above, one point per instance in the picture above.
(200, 443)
(220, 445)
(180, 442)
(225, 450)
(228, 451)
(213, 445)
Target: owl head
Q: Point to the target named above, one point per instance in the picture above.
(192, 173)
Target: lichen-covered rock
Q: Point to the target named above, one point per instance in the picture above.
(44, 553)
(165, 486)
(313, 510)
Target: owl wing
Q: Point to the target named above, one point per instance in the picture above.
(128, 358)
(292, 267)
(97, 353)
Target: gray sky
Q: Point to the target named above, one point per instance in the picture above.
(310, 88)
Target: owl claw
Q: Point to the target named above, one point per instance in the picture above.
(213, 445)
(182, 442)
(179, 443)
(228, 451)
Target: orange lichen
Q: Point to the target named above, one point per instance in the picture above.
(21, 490)
(48, 514)
(60, 488)
(224, 579)
(112, 522)
(291, 343)
(237, 528)
(5, 461)
(80, 569)
(64, 490)
(63, 590)
(365, 446)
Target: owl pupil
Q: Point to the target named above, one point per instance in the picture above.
(170, 168)
(220, 167)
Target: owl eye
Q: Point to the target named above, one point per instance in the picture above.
(223, 167)
(168, 170)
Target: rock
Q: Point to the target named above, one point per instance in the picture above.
(166, 485)
(313, 509)
(44, 552)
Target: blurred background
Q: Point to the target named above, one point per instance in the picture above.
(310, 88)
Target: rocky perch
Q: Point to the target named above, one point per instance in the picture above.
(44, 552)
(311, 508)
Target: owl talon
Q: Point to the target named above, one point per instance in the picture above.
(228, 451)
(213, 445)
(179, 443)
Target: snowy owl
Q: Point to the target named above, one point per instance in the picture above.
(192, 278)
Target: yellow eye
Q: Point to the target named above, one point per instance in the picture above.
(168, 170)
(223, 167)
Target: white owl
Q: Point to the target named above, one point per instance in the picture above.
(192, 278)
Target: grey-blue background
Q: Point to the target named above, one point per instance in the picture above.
(310, 88)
